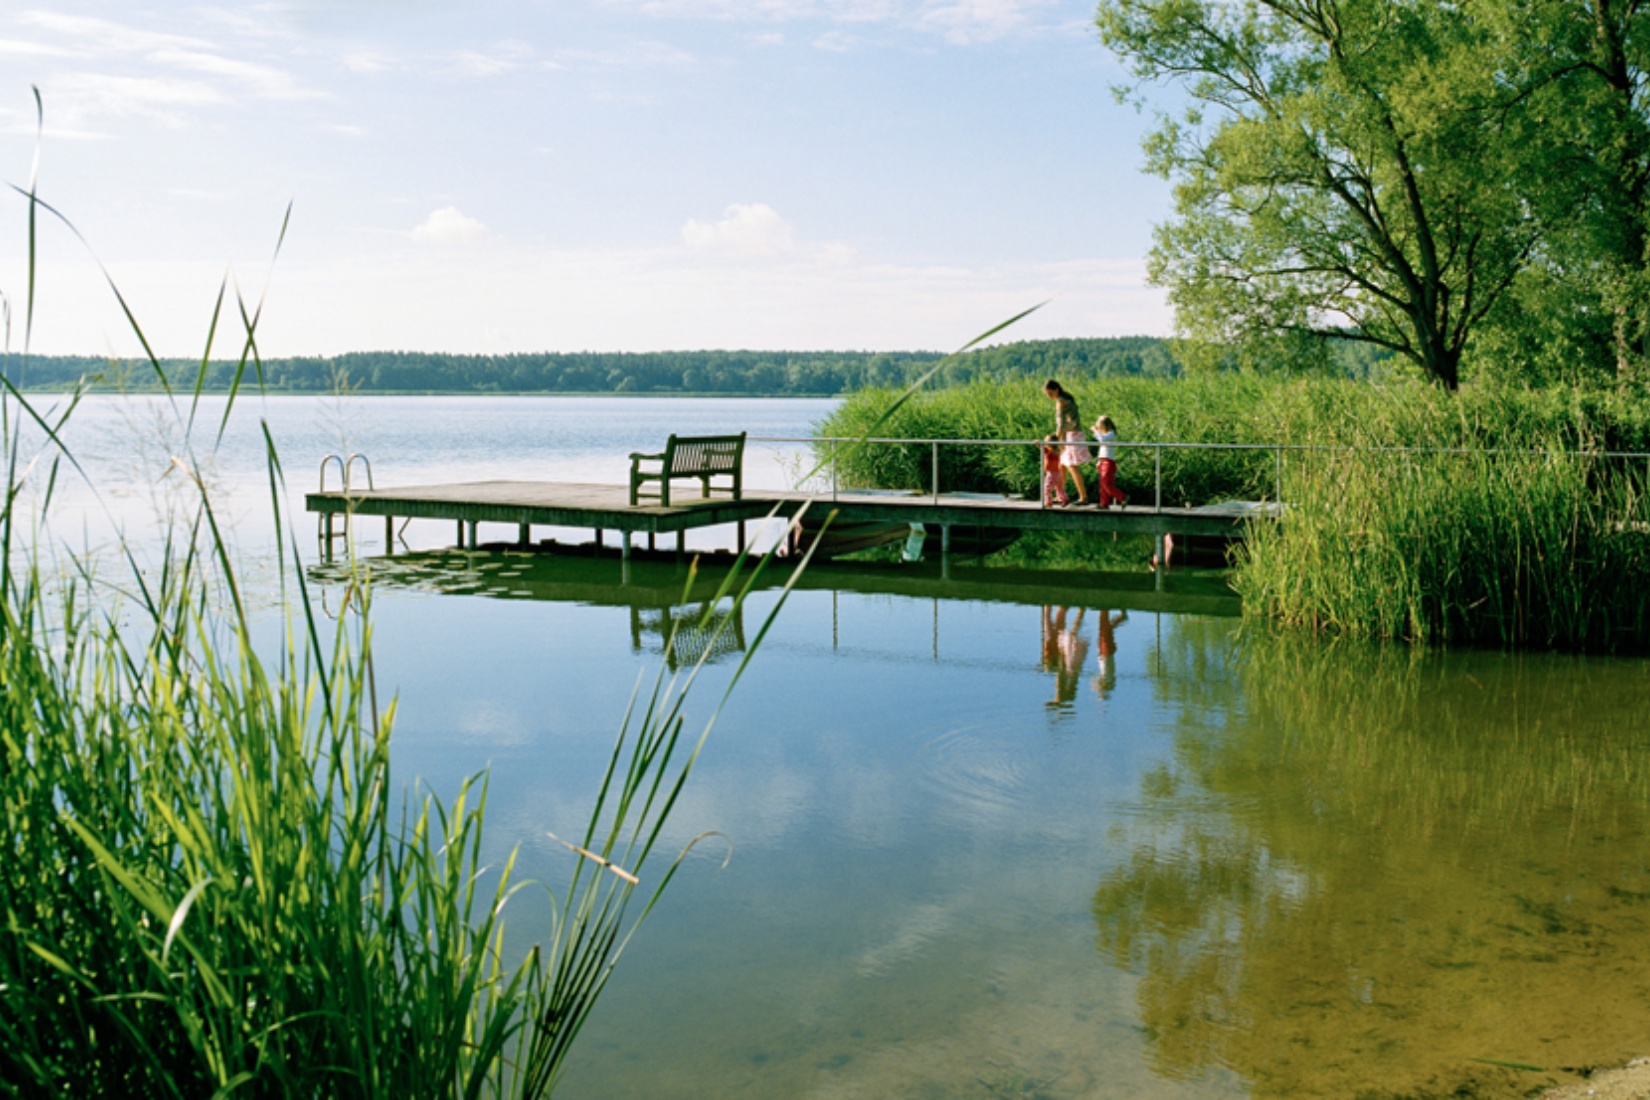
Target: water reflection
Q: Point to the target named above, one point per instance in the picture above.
(1370, 869)
(1105, 646)
(685, 597)
(704, 630)
(1064, 651)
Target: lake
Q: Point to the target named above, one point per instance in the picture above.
(1009, 835)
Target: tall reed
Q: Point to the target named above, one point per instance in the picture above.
(210, 881)
(1513, 548)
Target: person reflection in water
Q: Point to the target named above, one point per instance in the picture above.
(1064, 650)
(1105, 646)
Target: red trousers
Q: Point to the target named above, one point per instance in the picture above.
(1108, 483)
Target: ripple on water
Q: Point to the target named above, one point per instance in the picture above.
(972, 768)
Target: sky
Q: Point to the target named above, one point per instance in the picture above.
(495, 176)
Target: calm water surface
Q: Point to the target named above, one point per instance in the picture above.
(1020, 836)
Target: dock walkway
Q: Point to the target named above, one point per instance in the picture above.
(604, 508)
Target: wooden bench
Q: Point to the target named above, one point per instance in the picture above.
(700, 457)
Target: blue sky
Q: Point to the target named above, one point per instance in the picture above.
(572, 175)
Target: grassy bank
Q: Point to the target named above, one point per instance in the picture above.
(1527, 538)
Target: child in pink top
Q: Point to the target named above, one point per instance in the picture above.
(1054, 482)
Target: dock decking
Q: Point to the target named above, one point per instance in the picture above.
(603, 508)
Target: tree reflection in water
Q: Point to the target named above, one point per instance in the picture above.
(1375, 872)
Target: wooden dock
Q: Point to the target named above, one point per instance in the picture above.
(604, 508)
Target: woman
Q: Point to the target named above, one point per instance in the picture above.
(1068, 425)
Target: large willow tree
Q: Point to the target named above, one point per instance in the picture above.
(1344, 166)
(1577, 80)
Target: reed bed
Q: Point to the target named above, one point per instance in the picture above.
(1489, 516)
(212, 882)
(1526, 548)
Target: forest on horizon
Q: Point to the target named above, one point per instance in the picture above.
(755, 373)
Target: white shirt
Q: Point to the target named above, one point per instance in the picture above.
(1105, 440)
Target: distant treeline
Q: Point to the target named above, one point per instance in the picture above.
(766, 373)
(758, 373)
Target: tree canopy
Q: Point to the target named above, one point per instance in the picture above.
(1417, 174)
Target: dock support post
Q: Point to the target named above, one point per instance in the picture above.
(475, 539)
(461, 534)
(945, 551)
(525, 535)
(624, 545)
(389, 535)
(741, 536)
(651, 536)
(1162, 561)
(599, 540)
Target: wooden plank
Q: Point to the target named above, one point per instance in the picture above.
(564, 504)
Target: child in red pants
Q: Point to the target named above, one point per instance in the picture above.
(1054, 482)
(1106, 433)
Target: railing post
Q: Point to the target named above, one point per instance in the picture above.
(1157, 455)
(1278, 451)
(833, 471)
(936, 482)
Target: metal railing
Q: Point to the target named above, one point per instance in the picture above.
(838, 444)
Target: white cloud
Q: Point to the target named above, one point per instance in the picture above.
(369, 61)
(124, 71)
(835, 42)
(746, 229)
(100, 36)
(78, 99)
(964, 22)
(450, 225)
(960, 22)
(264, 81)
(504, 57)
(11, 47)
(640, 55)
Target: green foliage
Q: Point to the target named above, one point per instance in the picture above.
(1513, 549)
(210, 884)
(1436, 176)
(1216, 408)
(1516, 548)
(723, 372)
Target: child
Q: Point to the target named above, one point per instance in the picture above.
(1106, 432)
(1054, 483)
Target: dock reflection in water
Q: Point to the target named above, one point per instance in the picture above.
(1234, 868)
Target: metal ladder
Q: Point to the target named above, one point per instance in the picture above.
(324, 533)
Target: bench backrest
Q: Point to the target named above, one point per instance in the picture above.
(704, 454)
